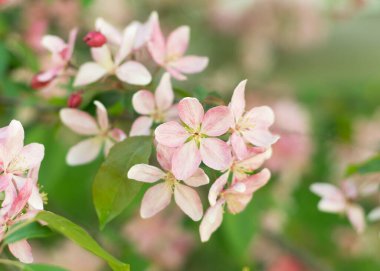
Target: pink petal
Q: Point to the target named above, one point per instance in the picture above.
(331, 206)
(217, 188)
(217, 121)
(53, 43)
(22, 251)
(12, 142)
(171, 113)
(156, 45)
(239, 146)
(102, 115)
(175, 73)
(102, 56)
(188, 200)
(252, 163)
(143, 102)
(111, 33)
(88, 73)
(211, 221)
(79, 121)
(35, 201)
(30, 156)
(215, 153)
(261, 116)
(374, 214)
(127, 42)
(256, 181)
(22, 198)
(191, 112)
(190, 64)
(165, 156)
(155, 199)
(117, 135)
(145, 173)
(133, 73)
(4, 182)
(356, 216)
(71, 43)
(141, 126)
(186, 160)
(178, 41)
(197, 179)
(171, 134)
(236, 203)
(237, 104)
(144, 32)
(84, 152)
(260, 137)
(164, 94)
(326, 190)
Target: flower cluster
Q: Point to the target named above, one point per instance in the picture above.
(19, 166)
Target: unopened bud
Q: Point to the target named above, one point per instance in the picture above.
(38, 81)
(75, 100)
(95, 39)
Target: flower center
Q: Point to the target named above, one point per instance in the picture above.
(170, 180)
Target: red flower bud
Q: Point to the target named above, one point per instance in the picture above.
(75, 100)
(37, 83)
(95, 39)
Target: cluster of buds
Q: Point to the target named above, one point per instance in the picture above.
(19, 167)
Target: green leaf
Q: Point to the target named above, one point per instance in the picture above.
(370, 166)
(42, 267)
(81, 237)
(112, 190)
(27, 231)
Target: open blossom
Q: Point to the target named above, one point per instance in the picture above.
(19, 166)
(105, 63)
(99, 129)
(195, 138)
(159, 196)
(157, 107)
(251, 127)
(170, 53)
(61, 55)
(341, 200)
(236, 196)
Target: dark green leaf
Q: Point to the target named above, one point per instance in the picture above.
(112, 190)
(370, 166)
(29, 231)
(81, 237)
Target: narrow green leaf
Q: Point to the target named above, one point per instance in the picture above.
(28, 231)
(370, 166)
(81, 237)
(42, 267)
(112, 190)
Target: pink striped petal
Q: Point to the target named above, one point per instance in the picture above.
(22, 251)
(217, 121)
(102, 115)
(237, 104)
(156, 45)
(133, 73)
(356, 216)
(260, 137)
(21, 199)
(165, 156)
(155, 200)
(164, 94)
(4, 181)
(30, 156)
(217, 188)
(211, 221)
(190, 64)
(215, 153)
(78, 121)
(239, 147)
(12, 142)
(141, 126)
(191, 112)
(102, 56)
(143, 102)
(171, 134)
(188, 200)
(84, 152)
(145, 173)
(197, 179)
(178, 41)
(256, 181)
(88, 73)
(186, 160)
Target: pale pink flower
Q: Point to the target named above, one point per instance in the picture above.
(236, 196)
(157, 107)
(374, 214)
(341, 200)
(159, 196)
(195, 137)
(250, 127)
(170, 53)
(99, 129)
(106, 63)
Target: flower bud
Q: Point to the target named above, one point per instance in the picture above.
(39, 82)
(95, 39)
(75, 100)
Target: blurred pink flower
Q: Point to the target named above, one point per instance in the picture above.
(170, 53)
(84, 124)
(159, 196)
(195, 137)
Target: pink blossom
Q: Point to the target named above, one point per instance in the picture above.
(341, 200)
(236, 196)
(107, 63)
(195, 138)
(157, 107)
(170, 53)
(99, 129)
(159, 196)
(251, 127)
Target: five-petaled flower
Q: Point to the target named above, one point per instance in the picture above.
(100, 131)
(195, 137)
(159, 196)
